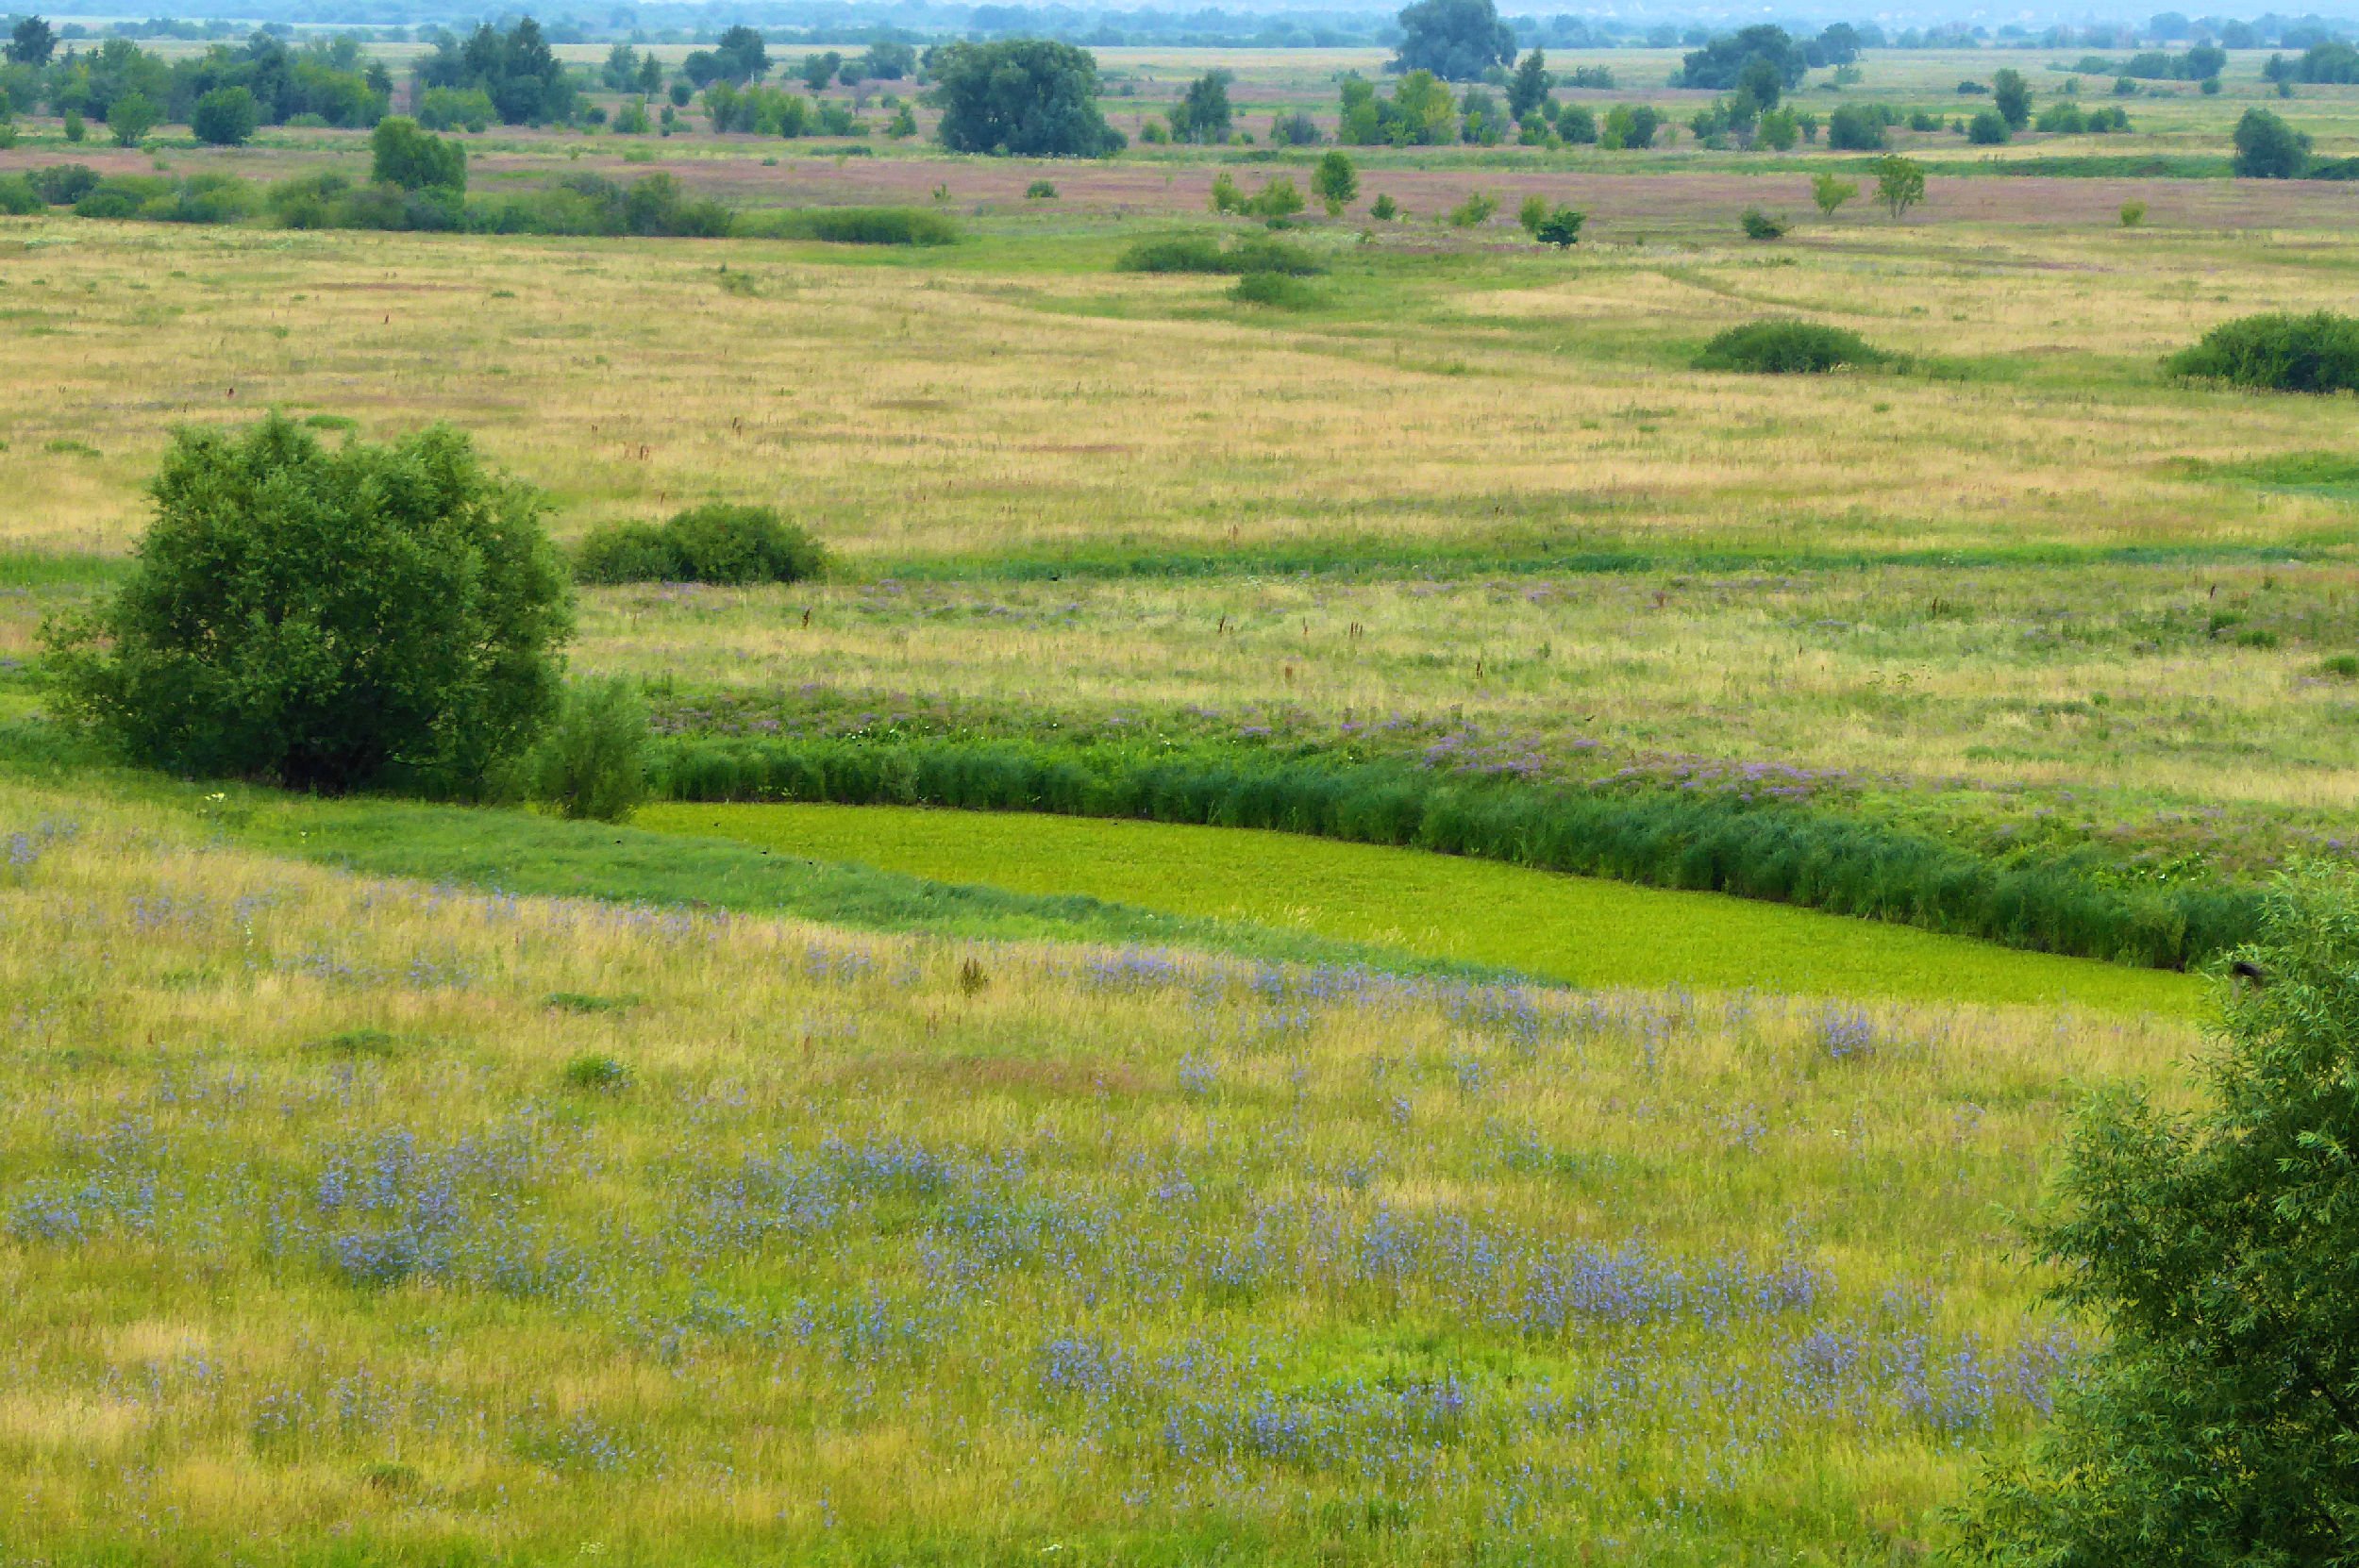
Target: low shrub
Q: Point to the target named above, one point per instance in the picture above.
(1202, 254)
(853, 226)
(713, 544)
(2277, 352)
(1762, 225)
(592, 763)
(1276, 290)
(1040, 190)
(1787, 348)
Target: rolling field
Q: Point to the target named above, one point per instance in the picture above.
(393, 1182)
(1576, 930)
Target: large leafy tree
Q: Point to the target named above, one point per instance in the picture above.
(1720, 64)
(517, 70)
(2268, 148)
(1456, 40)
(1021, 97)
(1203, 113)
(377, 616)
(31, 41)
(2220, 1252)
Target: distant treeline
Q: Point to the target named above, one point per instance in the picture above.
(1779, 852)
(922, 21)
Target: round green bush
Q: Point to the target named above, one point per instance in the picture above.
(593, 762)
(712, 544)
(1787, 348)
(371, 617)
(2277, 352)
(1272, 288)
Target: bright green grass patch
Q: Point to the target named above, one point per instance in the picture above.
(1571, 928)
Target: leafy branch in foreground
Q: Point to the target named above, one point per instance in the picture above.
(2220, 1251)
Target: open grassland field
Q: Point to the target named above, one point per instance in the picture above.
(916, 1250)
(783, 1175)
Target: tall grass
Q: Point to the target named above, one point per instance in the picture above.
(1661, 838)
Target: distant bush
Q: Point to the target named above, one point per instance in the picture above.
(1988, 128)
(443, 108)
(1277, 289)
(1857, 128)
(225, 117)
(2268, 148)
(2133, 214)
(1762, 225)
(401, 154)
(2277, 352)
(1560, 228)
(1040, 190)
(592, 763)
(1383, 209)
(712, 544)
(19, 197)
(597, 1075)
(371, 617)
(852, 226)
(1787, 348)
(1475, 211)
(63, 184)
(1202, 254)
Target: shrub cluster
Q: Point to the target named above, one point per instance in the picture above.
(852, 226)
(2277, 352)
(711, 543)
(1787, 348)
(1202, 254)
(1774, 851)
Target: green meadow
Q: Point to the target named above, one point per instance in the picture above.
(1573, 930)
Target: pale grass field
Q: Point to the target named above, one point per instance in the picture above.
(992, 400)
(301, 1234)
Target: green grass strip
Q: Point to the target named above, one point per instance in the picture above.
(1579, 930)
(516, 852)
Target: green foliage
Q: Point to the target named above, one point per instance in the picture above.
(1531, 213)
(1276, 200)
(1761, 61)
(443, 108)
(1420, 113)
(225, 117)
(2011, 96)
(1475, 211)
(1830, 192)
(592, 763)
(1629, 128)
(2218, 1252)
(2277, 352)
(2133, 214)
(1899, 184)
(853, 226)
(130, 117)
(1020, 97)
(1202, 254)
(400, 154)
(1456, 40)
(1787, 348)
(1528, 89)
(1669, 837)
(1383, 209)
(1039, 191)
(1857, 128)
(597, 1075)
(716, 543)
(1560, 228)
(1988, 128)
(1203, 113)
(377, 616)
(2268, 148)
(1762, 225)
(1335, 182)
(1293, 130)
(1280, 290)
(516, 71)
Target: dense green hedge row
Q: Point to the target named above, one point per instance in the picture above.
(1778, 852)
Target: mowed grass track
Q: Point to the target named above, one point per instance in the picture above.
(1575, 929)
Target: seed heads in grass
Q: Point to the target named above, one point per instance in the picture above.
(972, 980)
(1787, 348)
(2277, 352)
(1763, 225)
(596, 1073)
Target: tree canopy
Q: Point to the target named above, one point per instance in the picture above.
(1721, 63)
(377, 616)
(1020, 98)
(517, 70)
(2219, 1253)
(1456, 40)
